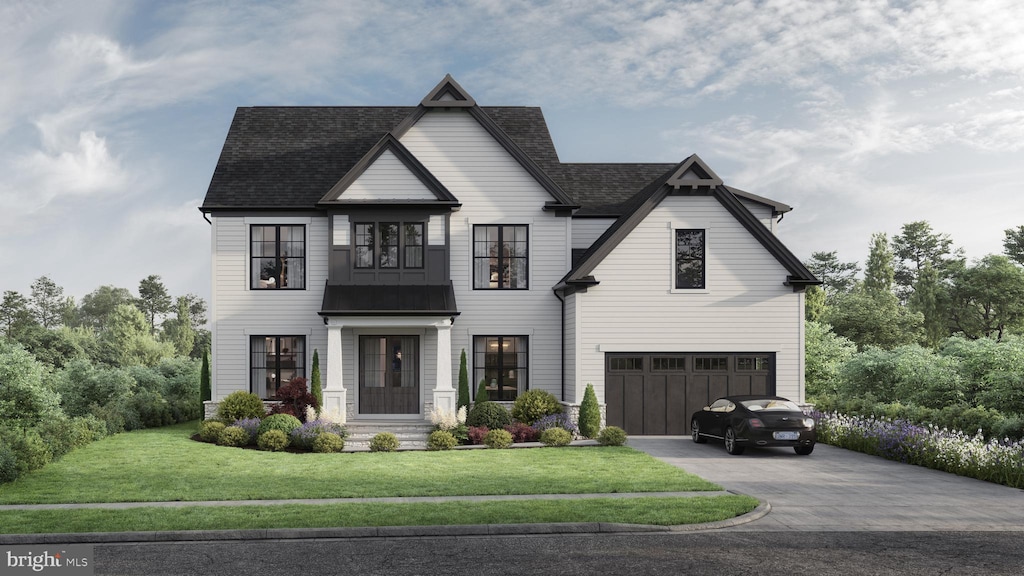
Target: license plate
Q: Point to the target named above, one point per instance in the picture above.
(786, 435)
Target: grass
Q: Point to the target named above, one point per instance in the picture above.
(655, 511)
(163, 464)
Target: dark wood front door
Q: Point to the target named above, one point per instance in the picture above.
(389, 372)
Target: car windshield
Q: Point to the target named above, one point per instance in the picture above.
(769, 404)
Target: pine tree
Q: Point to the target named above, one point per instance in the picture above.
(590, 413)
(879, 274)
(481, 391)
(315, 387)
(205, 393)
(463, 399)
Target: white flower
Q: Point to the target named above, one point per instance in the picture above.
(461, 416)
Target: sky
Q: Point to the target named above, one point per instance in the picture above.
(862, 115)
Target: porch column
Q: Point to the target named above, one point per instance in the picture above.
(444, 393)
(335, 395)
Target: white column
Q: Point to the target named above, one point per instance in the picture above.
(335, 395)
(444, 393)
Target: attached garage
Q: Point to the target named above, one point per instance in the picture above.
(655, 393)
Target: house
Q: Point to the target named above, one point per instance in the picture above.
(390, 239)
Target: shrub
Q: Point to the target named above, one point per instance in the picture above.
(283, 422)
(590, 413)
(251, 427)
(384, 442)
(315, 387)
(30, 452)
(239, 406)
(304, 436)
(209, 430)
(463, 397)
(295, 399)
(328, 442)
(8, 464)
(233, 436)
(489, 414)
(612, 436)
(272, 440)
(476, 434)
(498, 439)
(441, 440)
(555, 421)
(205, 392)
(481, 392)
(556, 437)
(522, 432)
(533, 405)
(24, 399)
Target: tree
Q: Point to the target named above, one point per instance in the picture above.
(824, 354)
(931, 300)
(316, 388)
(874, 320)
(153, 300)
(97, 306)
(127, 341)
(988, 298)
(481, 391)
(196, 310)
(48, 303)
(15, 315)
(814, 303)
(916, 245)
(24, 399)
(836, 277)
(205, 391)
(878, 272)
(1014, 244)
(463, 398)
(590, 413)
(178, 331)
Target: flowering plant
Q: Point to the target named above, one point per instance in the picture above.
(305, 435)
(250, 425)
(555, 421)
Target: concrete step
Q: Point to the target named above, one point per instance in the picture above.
(410, 434)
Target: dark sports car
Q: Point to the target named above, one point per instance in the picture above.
(742, 421)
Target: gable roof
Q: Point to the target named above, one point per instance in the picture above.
(389, 144)
(695, 175)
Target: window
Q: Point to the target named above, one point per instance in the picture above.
(400, 245)
(623, 364)
(278, 255)
(753, 363)
(710, 363)
(275, 360)
(500, 257)
(668, 363)
(501, 361)
(689, 254)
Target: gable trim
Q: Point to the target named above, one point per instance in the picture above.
(693, 173)
(448, 94)
(389, 143)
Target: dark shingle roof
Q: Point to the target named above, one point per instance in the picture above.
(289, 157)
(602, 189)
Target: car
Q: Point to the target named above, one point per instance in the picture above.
(742, 421)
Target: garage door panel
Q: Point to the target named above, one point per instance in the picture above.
(654, 404)
(718, 385)
(677, 416)
(614, 399)
(759, 384)
(633, 404)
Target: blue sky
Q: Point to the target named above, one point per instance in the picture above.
(862, 115)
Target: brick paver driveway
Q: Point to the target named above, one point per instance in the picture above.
(836, 489)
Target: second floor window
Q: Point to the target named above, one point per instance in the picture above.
(278, 257)
(689, 250)
(389, 245)
(500, 257)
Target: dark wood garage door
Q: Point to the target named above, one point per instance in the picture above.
(655, 394)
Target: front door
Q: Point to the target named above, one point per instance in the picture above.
(389, 375)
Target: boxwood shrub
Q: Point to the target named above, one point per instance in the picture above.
(239, 406)
(498, 439)
(328, 442)
(555, 437)
(384, 442)
(273, 440)
(283, 422)
(233, 436)
(533, 405)
(441, 440)
(209, 430)
(488, 414)
(612, 436)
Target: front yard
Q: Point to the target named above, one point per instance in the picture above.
(164, 465)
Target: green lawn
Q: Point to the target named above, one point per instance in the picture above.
(165, 465)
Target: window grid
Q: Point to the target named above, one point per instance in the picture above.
(274, 361)
(500, 257)
(277, 257)
(502, 362)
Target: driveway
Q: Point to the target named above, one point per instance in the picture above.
(837, 489)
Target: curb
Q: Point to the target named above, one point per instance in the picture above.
(458, 530)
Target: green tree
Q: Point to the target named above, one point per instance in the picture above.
(931, 299)
(24, 399)
(874, 320)
(15, 315)
(481, 391)
(316, 388)
(836, 277)
(463, 398)
(590, 414)
(97, 306)
(153, 300)
(126, 341)
(879, 273)
(814, 303)
(205, 390)
(178, 330)
(988, 298)
(916, 245)
(48, 303)
(824, 354)
(1013, 245)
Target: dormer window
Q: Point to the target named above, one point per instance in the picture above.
(277, 257)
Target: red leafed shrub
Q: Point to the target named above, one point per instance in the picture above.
(477, 433)
(522, 432)
(295, 398)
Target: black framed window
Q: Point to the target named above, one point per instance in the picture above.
(689, 256)
(626, 363)
(278, 257)
(274, 361)
(500, 257)
(502, 362)
(389, 245)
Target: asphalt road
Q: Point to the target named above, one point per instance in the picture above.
(768, 553)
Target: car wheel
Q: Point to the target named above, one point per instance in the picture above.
(731, 445)
(804, 450)
(695, 431)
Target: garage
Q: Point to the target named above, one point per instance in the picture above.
(655, 393)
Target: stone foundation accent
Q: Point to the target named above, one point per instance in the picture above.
(573, 411)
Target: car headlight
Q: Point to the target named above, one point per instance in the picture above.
(808, 422)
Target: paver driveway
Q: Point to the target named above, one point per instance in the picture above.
(837, 489)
